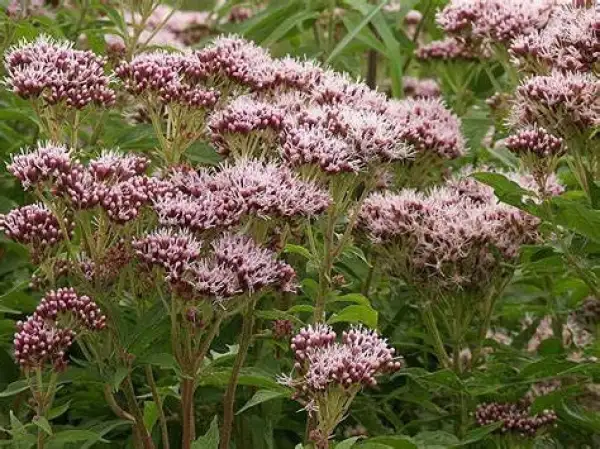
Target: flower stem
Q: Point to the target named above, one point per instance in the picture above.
(159, 405)
(229, 399)
(187, 406)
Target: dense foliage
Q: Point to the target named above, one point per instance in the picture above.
(215, 235)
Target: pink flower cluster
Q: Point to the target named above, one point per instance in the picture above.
(356, 361)
(33, 225)
(537, 141)
(568, 41)
(451, 48)
(59, 74)
(112, 165)
(167, 77)
(46, 163)
(341, 138)
(221, 199)
(42, 340)
(515, 417)
(428, 126)
(235, 266)
(243, 116)
(420, 88)
(558, 100)
(495, 20)
(172, 250)
(448, 238)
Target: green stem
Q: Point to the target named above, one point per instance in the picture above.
(438, 344)
(229, 399)
(159, 405)
(144, 436)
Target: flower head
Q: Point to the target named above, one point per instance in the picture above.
(271, 190)
(58, 73)
(33, 225)
(536, 141)
(420, 88)
(38, 343)
(45, 163)
(246, 115)
(239, 61)
(515, 417)
(451, 48)
(123, 200)
(301, 75)
(81, 187)
(428, 126)
(570, 99)
(238, 265)
(81, 308)
(118, 166)
(567, 42)
(172, 250)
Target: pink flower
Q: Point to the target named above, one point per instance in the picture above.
(246, 115)
(37, 343)
(497, 20)
(238, 265)
(428, 126)
(515, 417)
(58, 73)
(420, 88)
(558, 100)
(45, 163)
(452, 48)
(66, 301)
(271, 190)
(172, 250)
(568, 42)
(118, 166)
(81, 187)
(236, 60)
(536, 141)
(33, 225)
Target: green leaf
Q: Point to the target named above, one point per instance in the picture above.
(210, 440)
(14, 388)
(356, 314)
(506, 190)
(73, 435)
(356, 298)
(479, 434)
(396, 442)
(347, 444)
(350, 36)
(150, 415)
(58, 411)
(287, 25)
(262, 396)
(297, 249)
(576, 216)
(118, 377)
(43, 424)
(162, 360)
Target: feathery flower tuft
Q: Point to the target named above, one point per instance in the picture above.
(46, 163)
(246, 115)
(451, 48)
(301, 75)
(81, 187)
(568, 42)
(565, 98)
(237, 265)
(123, 200)
(271, 190)
(172, 250)
(428, 126)
(58, 73)
(238, 60)
(496, 20)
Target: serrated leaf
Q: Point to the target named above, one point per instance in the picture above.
(73, 435)
(396, 442)
(479, 434)
(356, 314)
(58, 411)
(210, 440)
(162, 360)
(297, 249)
(262, 396)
